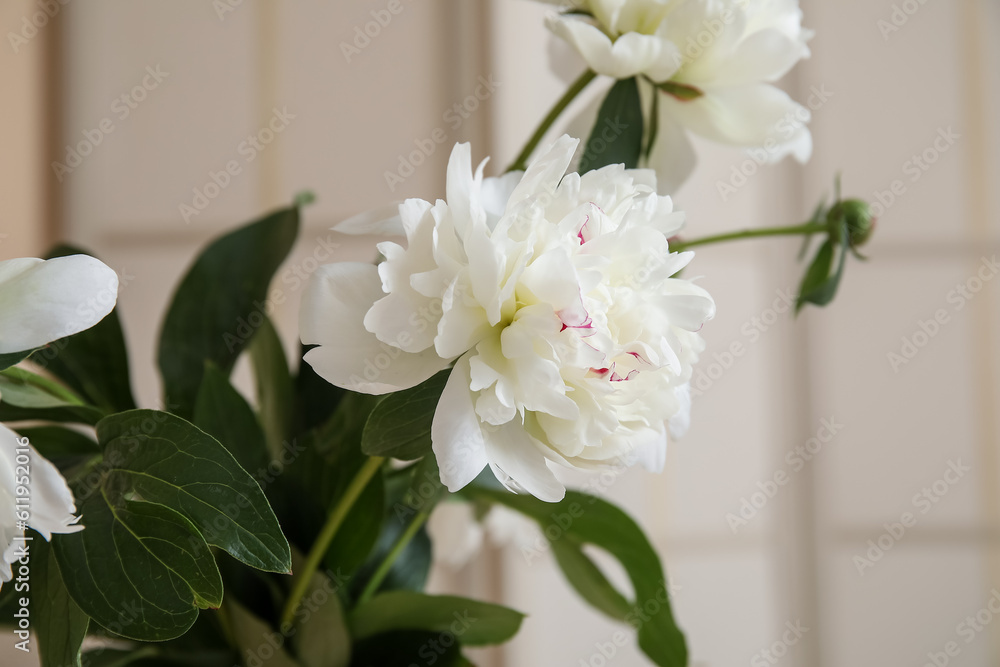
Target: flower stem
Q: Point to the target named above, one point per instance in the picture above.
(397, 548)
(326, 536)
(521, 162)
(794, 230)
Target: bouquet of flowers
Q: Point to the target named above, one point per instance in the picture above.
(530, 322)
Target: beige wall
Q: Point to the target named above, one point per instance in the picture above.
(733, 592)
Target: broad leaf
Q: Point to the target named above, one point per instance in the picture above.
(400, 425)
(56, 442)
(260, 645)
(316, 399)
(617, 136)
(94, 363)
(407, 648)
(219, 304)
(588, 580)
(13, 358)
(222, 412)
(472, 622)
(167, 460)
(139, 569)
(321, 638)
(28, 396)
(275, 388)
(584, 519)
(60, 626)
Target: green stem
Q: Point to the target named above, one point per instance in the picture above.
(794, 230)
(53, 388)
(319, 548)
(401, 543)
(521, 163)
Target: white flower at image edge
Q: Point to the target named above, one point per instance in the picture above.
(42, 301)
(731, 51)
(553, 297)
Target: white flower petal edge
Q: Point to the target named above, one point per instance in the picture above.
(51, 503)
(729, 50)
(44, 300)
(553, 294)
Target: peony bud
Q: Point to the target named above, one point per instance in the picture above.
(858, 216)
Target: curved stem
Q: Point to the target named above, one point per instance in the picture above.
(397, 548)
(794, 230)
(326, 536)
(521, 162)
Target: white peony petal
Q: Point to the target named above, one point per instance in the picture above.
(456, 433)
(681, 422)
(672, 156)
(518, 463)
(381, 221)
(629, 55)
(545, 171)
(44, 300)
(333, 310)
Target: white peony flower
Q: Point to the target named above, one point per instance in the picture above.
(42, 301)
(32, 492)
(45, 300)
(552, 296)
(716, 61)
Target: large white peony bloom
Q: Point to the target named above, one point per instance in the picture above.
(552, 296)
(42, 301)
(717, 60)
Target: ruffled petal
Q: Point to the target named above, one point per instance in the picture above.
(456, 433)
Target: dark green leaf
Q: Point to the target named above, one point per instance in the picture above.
(59, 624)
(585, 519)
(167, 460)
(139, 569)
(13, 358)
(275, 388)
(404, 649)
(819, 286)
(588, 580)
(29, 396)
(400, 425)
(316, 399)
(617, 136)
(220, 302)
(473, 623)
(321, 638)
(56, 442)
(223, 413)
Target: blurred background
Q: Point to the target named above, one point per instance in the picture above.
(171, 122)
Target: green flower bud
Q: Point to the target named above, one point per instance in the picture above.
(858, 216)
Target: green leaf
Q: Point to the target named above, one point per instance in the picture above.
(252, 636)
(400, 425)
(28, 396)
(819, 286)
(316, 399)
(59, 624)
(473, 623)
(407, 648)
(588, 580)
(220, 302)
(62, 446)
(321, 638)
(13, 358)
(584, 519)
(275, 388)
(617, 136)
(222, 412)
(94, 363)
(139, 569)
(167, 460)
